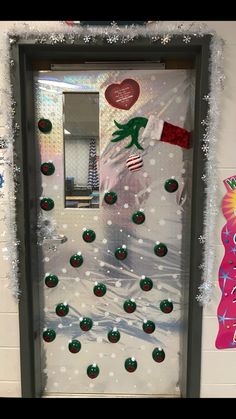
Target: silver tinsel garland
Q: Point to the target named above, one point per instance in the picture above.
(210, 177)
(162, 33)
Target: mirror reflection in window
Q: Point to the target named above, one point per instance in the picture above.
(81, 145)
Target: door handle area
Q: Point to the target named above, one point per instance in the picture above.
(59, 239)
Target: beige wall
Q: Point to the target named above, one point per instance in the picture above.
(218, 375)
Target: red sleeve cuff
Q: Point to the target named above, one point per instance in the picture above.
(175, 135)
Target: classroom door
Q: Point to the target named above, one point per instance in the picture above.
(113, 228)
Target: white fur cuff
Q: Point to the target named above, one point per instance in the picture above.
(153, 128)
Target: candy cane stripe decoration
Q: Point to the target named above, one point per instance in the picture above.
(134, 162)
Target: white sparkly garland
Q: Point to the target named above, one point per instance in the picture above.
(210, 139)
(158, 32)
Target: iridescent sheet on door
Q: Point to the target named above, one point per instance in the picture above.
(170, 95)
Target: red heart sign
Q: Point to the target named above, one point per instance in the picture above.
(123, 95)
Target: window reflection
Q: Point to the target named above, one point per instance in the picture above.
(81, 140)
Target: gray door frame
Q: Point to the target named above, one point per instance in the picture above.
(23, 52)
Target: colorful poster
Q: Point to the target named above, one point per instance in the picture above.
(226, 312)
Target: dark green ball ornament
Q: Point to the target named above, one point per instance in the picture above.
(113, 335)
(62, 309)
(148, 326)
(131, 364)
(166, 306)
(138, 217)
(86, 324)
(49, 335)
(74, 346)
(47, 204)
(44, 125)
(92, 371)
(99, 289)
(171, 185)
(160, 249)
(76, 260)
(121, 253)
(47, 168)
(89, 236)
(146, 284)
(110, 198)
(51, 280)
(129, 306)
(158, 355)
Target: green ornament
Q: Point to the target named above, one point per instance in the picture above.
(160, 249)
(110, 197)
(131, 364)
(51, 280)
(129, 306)
(62, 309)
(148, 326)
(138, 217)
(47, 204)
(86, 324)
(158, 354)
(92, 371)
(171, 185)
(89, 236)
(113, 335)
(132, 129)
(44, 125)
(121, 253)
(146, 284)
(47, 168)
(49, 335)
(99, 289)
(166, 306)
(74, 346)
(76, 260)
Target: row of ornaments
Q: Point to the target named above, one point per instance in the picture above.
(86, 323)
(130, 364)
(171, 185)
(166, 306)
(51, 281)
(47, 204)
(100, 289)
(121, 253)
(74, 346)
